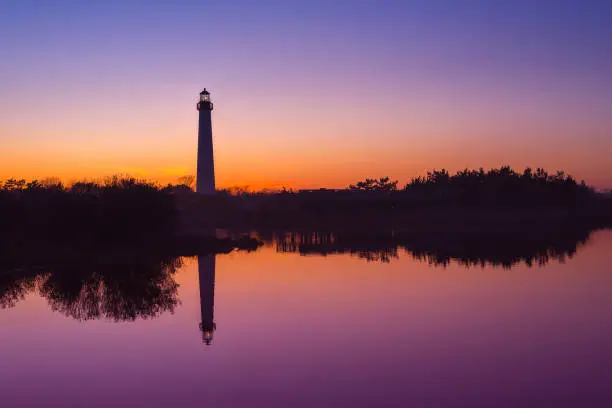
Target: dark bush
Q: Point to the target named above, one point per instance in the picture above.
(117, 210)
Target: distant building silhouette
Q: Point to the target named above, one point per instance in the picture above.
(206, 271)
(205, 183)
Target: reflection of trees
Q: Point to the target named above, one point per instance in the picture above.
(119, 290)
(467, 249)
(371, 249)
(505, 250)
(13, 289)
(117, 283)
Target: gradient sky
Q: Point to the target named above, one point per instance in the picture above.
(306, 93)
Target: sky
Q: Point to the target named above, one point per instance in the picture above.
(307, 94)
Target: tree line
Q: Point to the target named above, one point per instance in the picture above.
(117, 209)
(125, 208)
(496, 186)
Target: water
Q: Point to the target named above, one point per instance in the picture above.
(289, 330)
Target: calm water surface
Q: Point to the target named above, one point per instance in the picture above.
(275, 329)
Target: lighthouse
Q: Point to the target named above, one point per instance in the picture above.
(205, 183)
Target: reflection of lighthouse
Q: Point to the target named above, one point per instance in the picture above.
(206, 266)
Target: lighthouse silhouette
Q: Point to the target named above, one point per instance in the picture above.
(205, 183)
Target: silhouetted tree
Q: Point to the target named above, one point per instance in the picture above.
(118, 209)
(383, 184)
(187, 180)
(500, 187)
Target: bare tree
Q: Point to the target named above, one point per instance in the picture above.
(188, 180)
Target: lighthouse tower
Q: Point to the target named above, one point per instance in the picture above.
(205, 183)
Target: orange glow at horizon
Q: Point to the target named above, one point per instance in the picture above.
(304, 170)
(330, 152)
